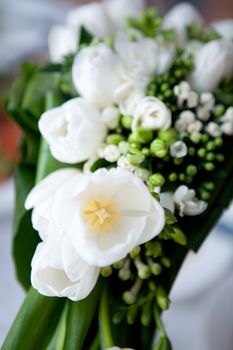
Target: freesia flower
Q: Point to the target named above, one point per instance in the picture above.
(152, 113)
(214, 64)
(206, 105)
(111, 117)
(185, 96)
(213, 129)
(93, 17)
(73, 131)
(58, 270)
(178, 149)
(179, 17)
(227, 122)
(187, 202)
(224, 28)
(61, 42)
(96, 73)
(106, 214)
(119, 10)
(41, 199)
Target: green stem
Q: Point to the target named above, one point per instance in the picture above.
(104, 321)
(159, 322)
(96, 343)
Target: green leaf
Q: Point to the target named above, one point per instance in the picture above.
(35, 323)
(170, 217)
(85, 37)
(57, 342)
(25, 237)
(79, 318)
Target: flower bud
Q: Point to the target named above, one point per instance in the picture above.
(158, 148)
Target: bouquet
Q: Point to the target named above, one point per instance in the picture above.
(125, 166)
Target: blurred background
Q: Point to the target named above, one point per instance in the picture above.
(200, 317)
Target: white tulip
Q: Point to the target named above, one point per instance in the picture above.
(187, 202)
(93, 17)
(227, 122)
(62, 41)
(224, 28)
(58, 270)
(73, 131)
(179, 17)
(111, 117)
(106, 214)
(119, 10)
(96, 74)
(214, 64)
(178, 149)
(41, 198)
(151, 113)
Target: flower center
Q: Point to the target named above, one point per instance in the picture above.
(101, 216)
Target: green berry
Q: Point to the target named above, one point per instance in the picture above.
(209, 166)
(158, 148)
(173, 177)
(191, 170)
(114, 139)
(126, 122)
(201, 153)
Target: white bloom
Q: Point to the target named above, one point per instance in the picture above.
(58, 270)
(93, 17)
(143, 56)
(41, 199)
(185, 119)
(206, 105)
(142, 173)
(151, 113)
(127, 95)
(73, 130)
(62, 41)
(119, 10)
(213, 129)
(106, 215)
(187, 202)
(179, 17)
(96, 74)
(112, 153)
(195, 127)
(185, 95)
(111, 117)
(224, 28)
(178, 149)
(124, 164)
(214, 64)
(227, 122)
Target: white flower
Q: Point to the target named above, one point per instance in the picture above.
(124, 164)
(93, 17)
(214, 64)
(178, 149)
(185, 119)
(73, 130)
(167, 201)
(179, 17)
(106, 215)
(127, 95)
(151, 113)
(187, 202)
(96, 74)
(41, 199)
(227, 122)
(224, 28)
(119, 10)
(111, 117)
(195, 127)
(58, 270)
(142, 173)
(111, 153)
(185, 95)
(61, 42)
(213, 129)
(206, 105)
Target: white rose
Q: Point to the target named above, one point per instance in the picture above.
(179, 17)
(178, 149)
(96, 74)
(214, 64)
(227, 122)
(111, 117)
(119, 10)
(224, 28)
(73, 131)
(107, 214)
(187, 202)
(41, 199)
(58, 270)
(62, 41)
(91, 16)
(151, 113)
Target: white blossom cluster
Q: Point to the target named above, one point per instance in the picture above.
(90, 220)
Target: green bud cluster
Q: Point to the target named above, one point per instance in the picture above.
(149, 23)
(196, 31)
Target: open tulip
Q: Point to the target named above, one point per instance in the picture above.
(73, 131)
